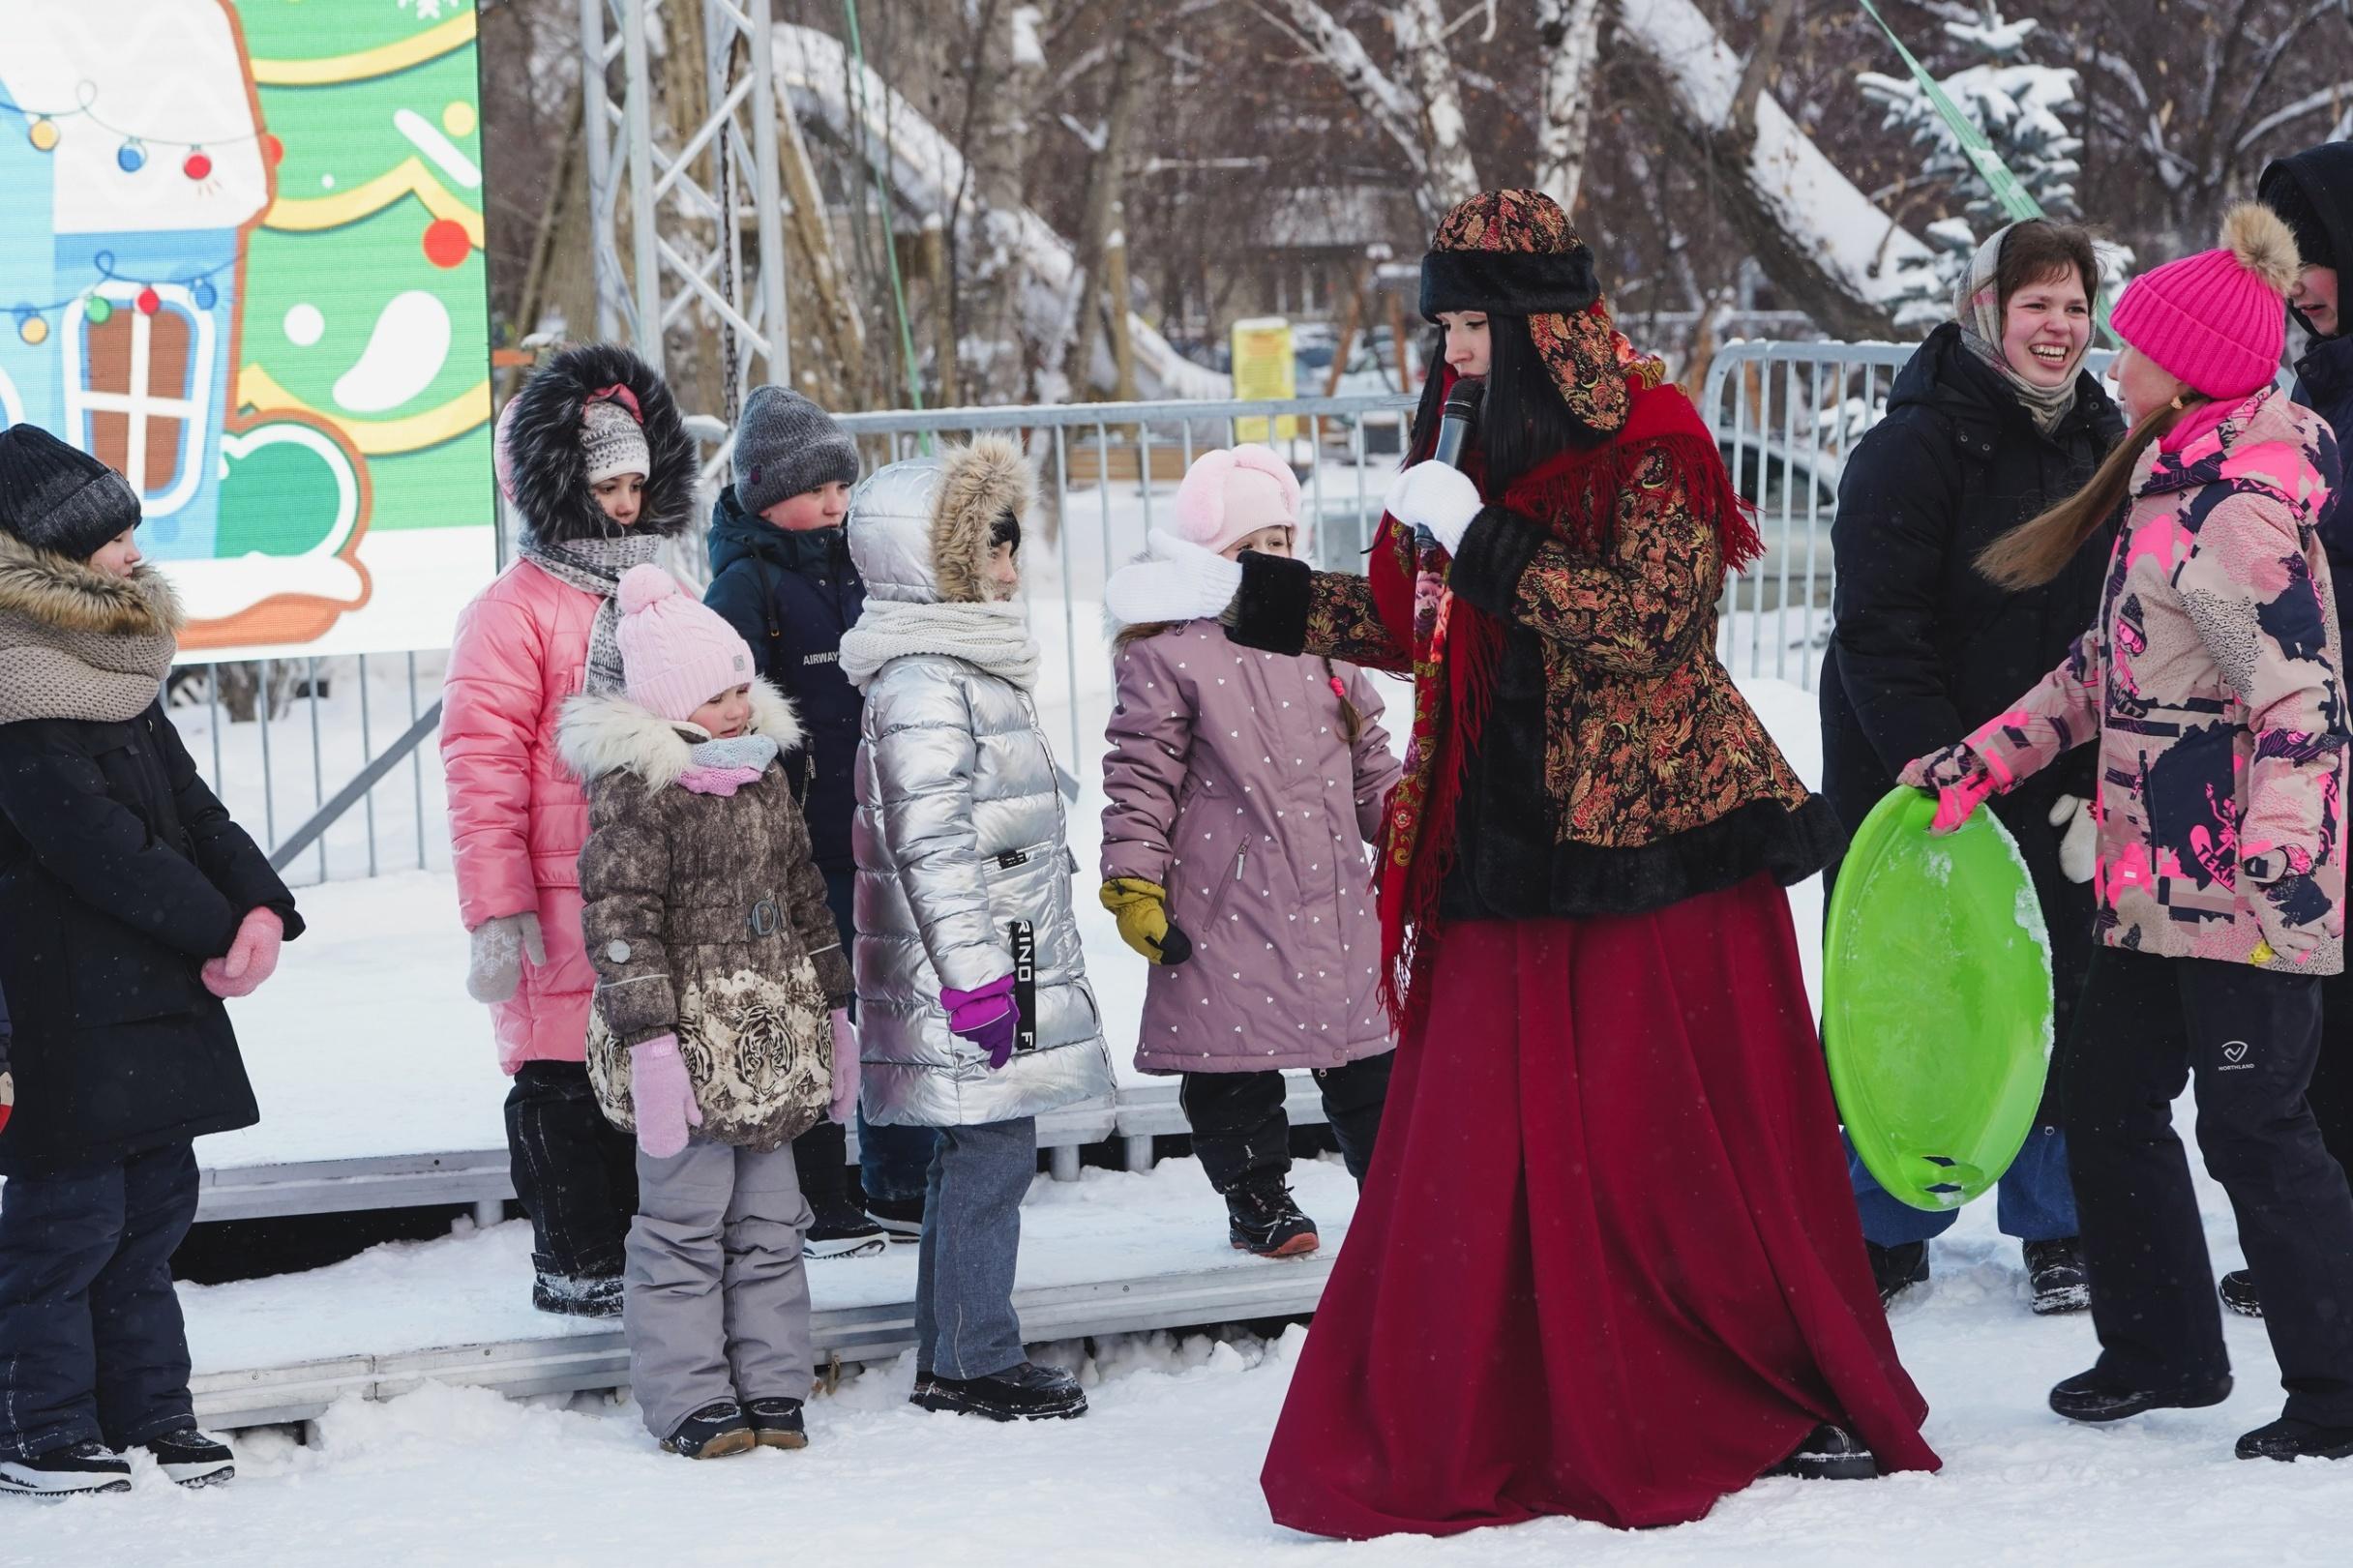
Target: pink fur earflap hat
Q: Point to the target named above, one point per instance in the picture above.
(1235, 491)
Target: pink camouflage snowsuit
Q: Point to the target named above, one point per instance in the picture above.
(2210, 681)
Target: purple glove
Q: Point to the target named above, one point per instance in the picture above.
(987, 1017)
(844, 1068)
(664, 1095)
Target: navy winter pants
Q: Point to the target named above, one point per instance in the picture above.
(91, 1341)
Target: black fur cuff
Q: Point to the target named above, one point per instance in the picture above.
(1495, 553)
(1508, 282)
(1270, 610)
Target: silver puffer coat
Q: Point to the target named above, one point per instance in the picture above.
(960, 829)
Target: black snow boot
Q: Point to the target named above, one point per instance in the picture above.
(714, 1432)
(194, 1459)
(2239, 1293)
(2055, 1277)
(777, 1423)
(1027, 1392)
(2289, 1439)
(901, 1218)
(841, 1230)
(577, 1295)
(2092, 1398)
(1830, 1453)
(74, 1470)
(1262, 1218)
(1898, 1268)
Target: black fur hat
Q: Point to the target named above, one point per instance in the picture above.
(544, 468)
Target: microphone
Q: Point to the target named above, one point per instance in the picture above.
(1454, 423)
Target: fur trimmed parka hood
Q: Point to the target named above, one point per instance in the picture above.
(603, 734)
(79, 643)
(919, 530)
(544, 470)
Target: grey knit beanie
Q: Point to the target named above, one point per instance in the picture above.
(57, 499)
(785, 444)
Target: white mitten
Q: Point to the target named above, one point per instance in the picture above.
(2078, 837)
(1440, 498)
(1182, 581)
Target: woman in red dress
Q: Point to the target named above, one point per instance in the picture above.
(1605, 1264)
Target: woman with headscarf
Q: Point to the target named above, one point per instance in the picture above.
(1991, 421)
(1605, 1264)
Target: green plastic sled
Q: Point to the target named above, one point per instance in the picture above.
(1936, 984)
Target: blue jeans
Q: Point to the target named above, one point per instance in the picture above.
(92, 1347)
(2034, 1202)
(892, 1161)
(965, 1322)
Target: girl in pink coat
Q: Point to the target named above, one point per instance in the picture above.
(592, 456)
(1243, 788)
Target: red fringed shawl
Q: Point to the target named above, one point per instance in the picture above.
(1456, 645)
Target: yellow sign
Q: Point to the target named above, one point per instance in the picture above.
(1264, 367)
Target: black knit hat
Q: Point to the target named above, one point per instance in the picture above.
(785, 444)
(56, 498)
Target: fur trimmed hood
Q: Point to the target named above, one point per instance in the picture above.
(76, 643)
(600, 735)
(544, 469)
(919, 529)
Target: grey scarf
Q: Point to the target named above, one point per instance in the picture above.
(1978, 304)
(993, 637)
(595, 566)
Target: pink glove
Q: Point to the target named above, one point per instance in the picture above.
(987, 1017)
(1957, 777)
(664, 1095)
(251, 957)
(844, 1066)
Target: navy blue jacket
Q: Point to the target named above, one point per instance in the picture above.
(792, 596)
(2324, 384)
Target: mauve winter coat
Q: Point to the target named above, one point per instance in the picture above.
(2210, 685)
(1231, 782)
(516, 816)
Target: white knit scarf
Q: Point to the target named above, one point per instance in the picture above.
(995, 637)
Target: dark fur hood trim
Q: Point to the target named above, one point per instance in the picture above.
(57, 591)
(549, 469)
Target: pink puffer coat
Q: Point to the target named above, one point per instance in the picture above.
(516, 816)
(1231, 784)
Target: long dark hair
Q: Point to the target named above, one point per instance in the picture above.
(1524, 421)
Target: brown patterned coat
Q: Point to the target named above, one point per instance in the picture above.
(705, 917)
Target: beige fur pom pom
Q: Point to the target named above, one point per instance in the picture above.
(2263, 245)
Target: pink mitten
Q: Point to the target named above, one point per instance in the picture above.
(251, 957)
(663, 1094)
(1959, 780)
(844, 1066)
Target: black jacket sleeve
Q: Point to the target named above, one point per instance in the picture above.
(100, 849)
(1894, 526)
(735, 593)
(225, 851)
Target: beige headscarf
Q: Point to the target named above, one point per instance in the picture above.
(1978, 305)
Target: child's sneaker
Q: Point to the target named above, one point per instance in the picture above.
(577, 1295)
(192, 1457)
(2056, 1279)
(901, 1218)
(841, 1230)
(73, 1470)
(1262, 1218)
(777, 1423)
(1027, 1392)
(714, 1432)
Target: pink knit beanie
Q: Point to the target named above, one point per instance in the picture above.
(1235, 492)
(676, 654)
(2216, 321)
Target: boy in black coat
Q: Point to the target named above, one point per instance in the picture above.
(130, 907)
(781, 575)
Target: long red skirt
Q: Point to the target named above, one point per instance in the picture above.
(1606, 1262)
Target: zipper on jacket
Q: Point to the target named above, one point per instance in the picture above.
(1218, 903)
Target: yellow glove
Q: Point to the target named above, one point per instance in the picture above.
(1141, 908)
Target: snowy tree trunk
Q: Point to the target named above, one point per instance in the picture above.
(1421, 39)
(1012, 64)
(1570, 31)
(1828, 249)
(1385, 101)
(1106, 188)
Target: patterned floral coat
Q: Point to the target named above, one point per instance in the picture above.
(705, 917)
(2212, 683)
(1618, 768)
